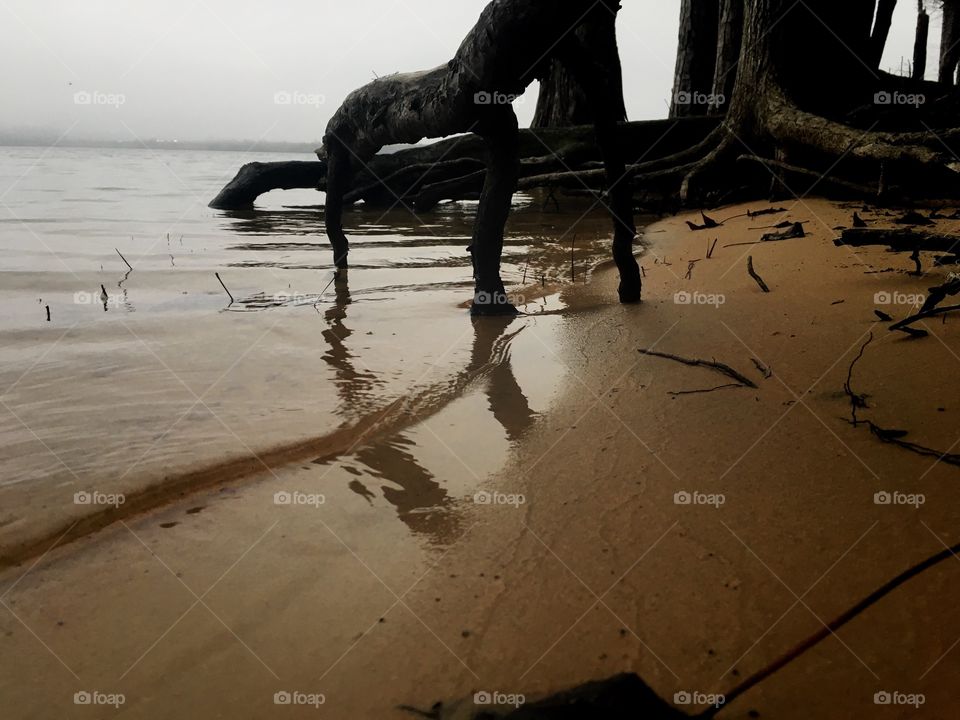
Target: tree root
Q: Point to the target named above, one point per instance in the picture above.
(858, 401)
(712, 364)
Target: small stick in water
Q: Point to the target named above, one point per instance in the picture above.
(573, 268)
(124, 259)
(225, 288)
(753, 274)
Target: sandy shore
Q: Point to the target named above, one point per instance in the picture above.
(584, 565)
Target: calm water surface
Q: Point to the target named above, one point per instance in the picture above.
(141, 376)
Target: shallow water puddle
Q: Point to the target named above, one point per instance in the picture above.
(428, 470)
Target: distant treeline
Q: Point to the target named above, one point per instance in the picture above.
(212, 145)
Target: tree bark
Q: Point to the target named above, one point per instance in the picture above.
(920, 46)
(792, 111)
(881, 30)
(255, 179)
(729, 43)
(950, 43)
(696, 57)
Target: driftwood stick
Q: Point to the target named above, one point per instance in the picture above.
(225, 288)
(712, 364)
(705, 390)
(753, 274)
(900, 240)
(923, 316)
(832, 627)
(124, 259)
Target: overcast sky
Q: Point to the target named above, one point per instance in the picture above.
(235, 69)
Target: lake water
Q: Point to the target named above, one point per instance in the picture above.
(168, 383)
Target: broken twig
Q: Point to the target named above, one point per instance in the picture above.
(753, 274)
(225, 288)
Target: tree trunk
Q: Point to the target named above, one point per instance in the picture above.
(920, 46)
(729, 43)
(563, 103)
(950, 43)
(881, 31)
(696, 57)
(790, 111)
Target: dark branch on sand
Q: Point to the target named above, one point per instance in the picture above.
(755, 276)
(858, 401)
(712, 364)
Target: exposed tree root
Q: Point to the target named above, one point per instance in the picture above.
(858, 401)
(712, 364)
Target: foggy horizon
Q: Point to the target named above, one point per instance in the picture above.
(216, 71)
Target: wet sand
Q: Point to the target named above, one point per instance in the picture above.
(210, 605)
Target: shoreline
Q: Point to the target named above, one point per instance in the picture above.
(600, 570)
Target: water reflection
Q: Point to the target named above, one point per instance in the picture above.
(393, 460)
(355, 387)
